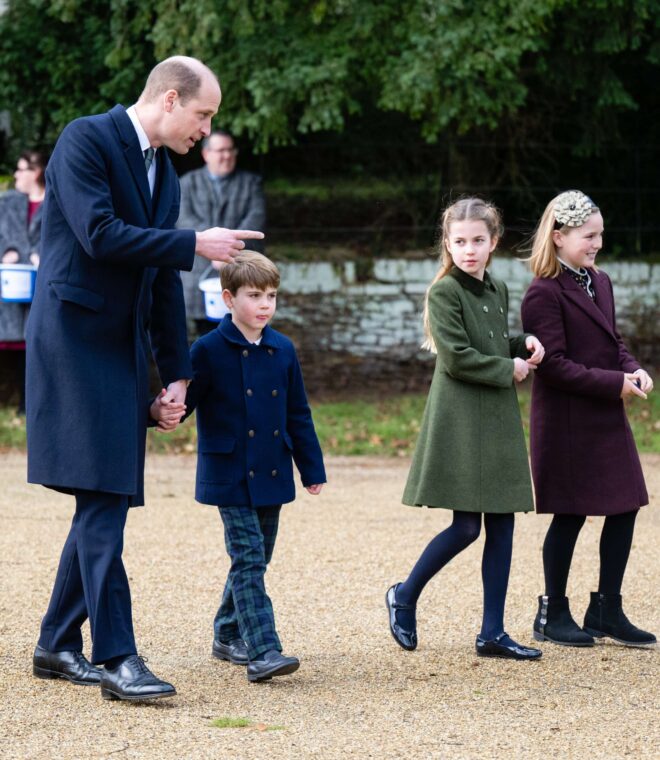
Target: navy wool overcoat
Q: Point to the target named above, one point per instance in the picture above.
(253, 419)
(108, 292)
(584, 459)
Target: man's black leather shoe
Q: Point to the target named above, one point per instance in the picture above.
(235, 651)
(504, 646)
(403, 637)
(72, 666)
(271, 663)
(132, 679)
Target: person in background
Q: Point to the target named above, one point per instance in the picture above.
(20, 230)
(219, 195)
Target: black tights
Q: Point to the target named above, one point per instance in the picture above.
(615, 542)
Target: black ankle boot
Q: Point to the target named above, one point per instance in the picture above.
(605, 617)
(555, 623)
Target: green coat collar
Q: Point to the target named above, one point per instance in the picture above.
(471, 283)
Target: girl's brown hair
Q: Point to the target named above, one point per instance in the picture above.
(463, 210)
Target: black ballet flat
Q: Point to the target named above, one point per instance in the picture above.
(404, 638)
(497, 648)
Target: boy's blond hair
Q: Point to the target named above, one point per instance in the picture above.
(252, 269)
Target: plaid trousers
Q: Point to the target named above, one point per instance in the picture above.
(246, 611)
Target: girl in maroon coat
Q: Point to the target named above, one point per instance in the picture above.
(584, 460)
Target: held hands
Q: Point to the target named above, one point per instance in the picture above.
(221, 244)
(168, 407)
(314, 490)
(533, 345)
(636, 383)
(521, 369)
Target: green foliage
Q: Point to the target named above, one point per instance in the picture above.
(383, 427)
(529, 67)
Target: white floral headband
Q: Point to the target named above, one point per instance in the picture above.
(573, 208)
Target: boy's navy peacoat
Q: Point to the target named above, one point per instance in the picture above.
(584, 460)
(252, 419)
(108, 292)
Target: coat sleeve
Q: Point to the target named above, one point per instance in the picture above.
(202, 378)
(306, 447)
(461, 360)
(80, 181)
(517, 347)
(542, 316)
(168, 327)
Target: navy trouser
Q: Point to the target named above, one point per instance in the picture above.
(246, 611)
(91, 582)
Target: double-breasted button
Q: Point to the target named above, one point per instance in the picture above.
(273, 393)
(501, 310)
(276, 433)
(251, 473)
(245, 352)
(270, 351)
(249, 391)
(491, 334)
(486, 309)
(274, 473)
(251, 433)
(505, 334)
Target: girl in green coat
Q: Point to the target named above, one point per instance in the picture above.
(470, 456)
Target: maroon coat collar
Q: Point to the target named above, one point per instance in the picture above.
(599, 310)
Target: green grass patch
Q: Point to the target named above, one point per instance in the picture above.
(227, 722)
(383, 427)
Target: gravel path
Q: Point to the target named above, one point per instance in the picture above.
(356, 694)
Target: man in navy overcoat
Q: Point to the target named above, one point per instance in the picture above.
(108, 293)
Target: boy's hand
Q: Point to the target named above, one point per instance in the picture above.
(168, 414)
(314, 490)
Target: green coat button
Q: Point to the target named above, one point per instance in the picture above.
(505, 334)
(501, 310)
(486, 309)
(490, 334)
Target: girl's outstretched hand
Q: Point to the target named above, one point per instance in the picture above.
(521, 369)
(534, 345)
(645, 383)
(630, 387)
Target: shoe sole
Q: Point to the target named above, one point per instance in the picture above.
(284, 670)
(227, 658)
(47, 674)
(109, 695)
(387, 607)
(638, 644)
(509, 657)
(543, 637)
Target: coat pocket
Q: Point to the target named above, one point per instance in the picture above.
(216, 460)
(88, 299)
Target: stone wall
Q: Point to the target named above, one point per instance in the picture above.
(360, 328)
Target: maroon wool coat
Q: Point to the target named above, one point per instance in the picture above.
(584, 459)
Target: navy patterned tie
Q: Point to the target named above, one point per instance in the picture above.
(148, 158)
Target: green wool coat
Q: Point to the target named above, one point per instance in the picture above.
(471, 455)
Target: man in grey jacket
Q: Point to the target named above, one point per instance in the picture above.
(218, 194)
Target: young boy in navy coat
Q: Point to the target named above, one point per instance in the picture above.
(252, 420)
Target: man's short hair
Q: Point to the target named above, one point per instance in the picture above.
(218, 133)
(251, 269)
(174, 73)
